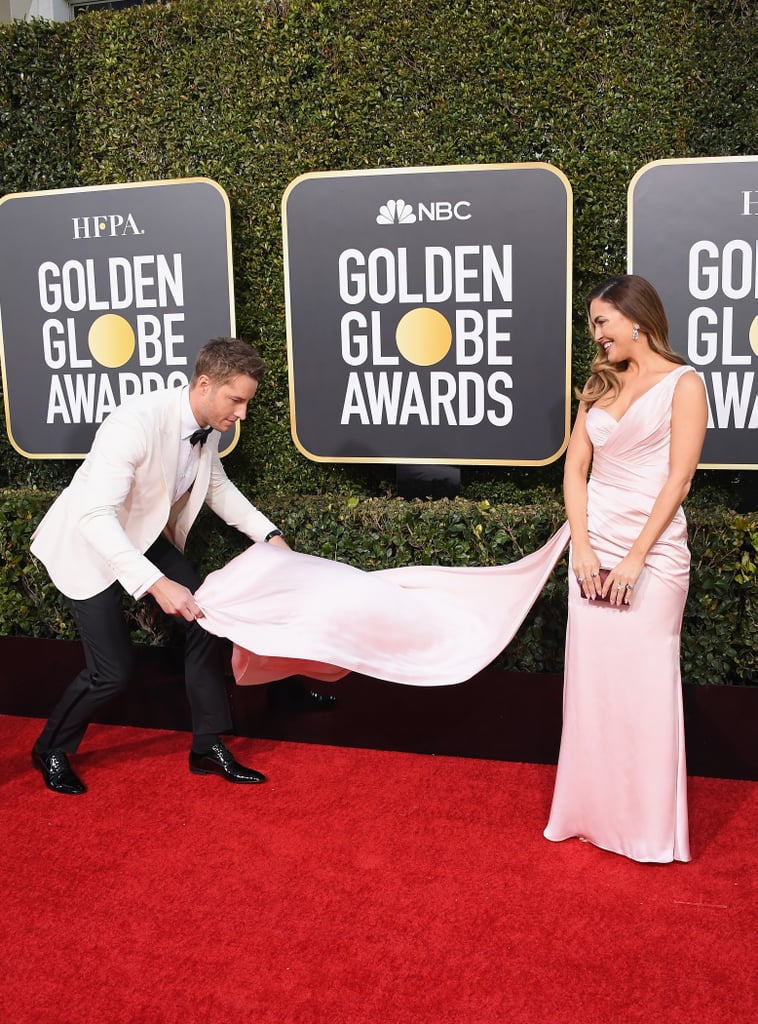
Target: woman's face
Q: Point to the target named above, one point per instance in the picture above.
(611, 330)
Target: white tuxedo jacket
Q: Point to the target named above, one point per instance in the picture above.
(119, 500)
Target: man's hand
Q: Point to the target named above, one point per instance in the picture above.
(175, 599)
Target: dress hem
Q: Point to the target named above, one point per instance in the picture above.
(673, 859)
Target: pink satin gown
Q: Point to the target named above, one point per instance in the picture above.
(622, 779)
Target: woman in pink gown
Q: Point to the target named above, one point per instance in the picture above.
(621, 780)
(621, 776)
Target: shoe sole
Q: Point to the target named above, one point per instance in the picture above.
(227, 778)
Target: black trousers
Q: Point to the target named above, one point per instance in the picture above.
(110, 661)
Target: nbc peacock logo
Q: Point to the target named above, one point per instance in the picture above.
(396, 211)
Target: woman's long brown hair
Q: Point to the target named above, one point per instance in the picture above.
(636, 299)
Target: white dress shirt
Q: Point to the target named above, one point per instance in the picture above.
(186, 471)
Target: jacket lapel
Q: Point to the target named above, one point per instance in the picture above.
(186, 509)
(169, 440)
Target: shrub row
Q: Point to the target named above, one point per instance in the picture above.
(256, 92)
(721, 619)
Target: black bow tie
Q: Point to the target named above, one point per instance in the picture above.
(201, 435)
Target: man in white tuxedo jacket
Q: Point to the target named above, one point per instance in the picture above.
(121, 526)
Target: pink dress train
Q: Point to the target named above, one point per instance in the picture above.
(294, 614)
(622, 778)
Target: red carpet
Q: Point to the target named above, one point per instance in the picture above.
(355, 887)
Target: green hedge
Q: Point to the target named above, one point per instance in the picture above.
(253, 93)
(721, 619)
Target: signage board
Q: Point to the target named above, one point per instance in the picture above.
(693, 233)
(428, 314)
(106, 293)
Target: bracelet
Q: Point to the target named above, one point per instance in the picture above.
(274, 533)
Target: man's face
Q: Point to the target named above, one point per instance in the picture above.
(221, 405)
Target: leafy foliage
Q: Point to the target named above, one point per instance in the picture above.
(721, 618)
(254, 93)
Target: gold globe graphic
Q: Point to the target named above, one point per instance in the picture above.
(753, 335)
(423, 336)
(111, 340)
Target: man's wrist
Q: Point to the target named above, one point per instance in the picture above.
(148, 585)
(271, 535)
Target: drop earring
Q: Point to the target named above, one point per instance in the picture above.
(635, 332)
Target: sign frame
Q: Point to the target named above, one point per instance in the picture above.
(224, 244)
(633, 230)
(566, 314)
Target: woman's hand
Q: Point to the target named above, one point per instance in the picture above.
(621, 581)
(586, 567)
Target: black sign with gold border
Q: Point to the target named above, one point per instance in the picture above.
(105, 293)
(428, 314)
(693, 233)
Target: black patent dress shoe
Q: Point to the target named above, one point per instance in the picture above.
(219, 761)
(57, 772)
(293, 695)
